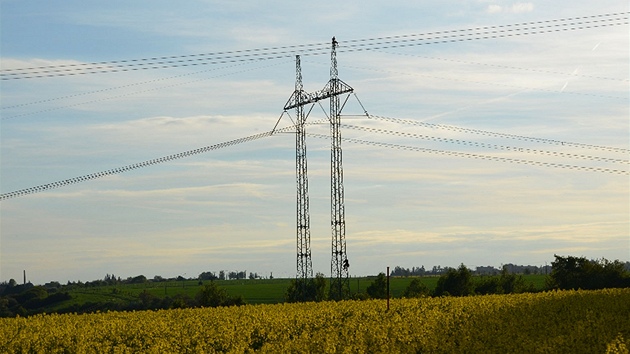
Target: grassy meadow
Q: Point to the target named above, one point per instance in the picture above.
(254, 291)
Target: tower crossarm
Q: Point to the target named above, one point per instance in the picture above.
(298, 99)
(302, 98)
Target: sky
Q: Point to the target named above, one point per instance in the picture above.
(451, 196)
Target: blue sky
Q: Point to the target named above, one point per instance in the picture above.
(234, 208)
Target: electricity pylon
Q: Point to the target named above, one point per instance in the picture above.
(339, 281)
(298, 99)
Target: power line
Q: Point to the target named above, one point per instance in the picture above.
(317, 46)
(491, 32)
(117, 69)
(494, 26)
(501, 135)
(114, 88)
(113, 171)
(479, 156)
(450, 36)
(125, 94)
(485, 83)
(159, 62)
(489, 146)
(299, 46)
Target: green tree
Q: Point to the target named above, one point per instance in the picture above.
(313, 289)
(416, 289)
(148, 300)
(137, 279)
(580, 273)
(456, 282)
(378, 288)
(513, 284)
(488, 285)
(212, 296)
(505, 283)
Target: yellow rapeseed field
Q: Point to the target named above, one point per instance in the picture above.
(552, 322)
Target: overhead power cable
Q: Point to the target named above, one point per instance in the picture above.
(268, 53)
(478, 156)
(501, 135)
(486, 145)
(493, 83)
(156, 88)
(501, 31)
(117, 87)
(114, 171)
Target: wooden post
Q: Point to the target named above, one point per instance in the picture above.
(388, 288)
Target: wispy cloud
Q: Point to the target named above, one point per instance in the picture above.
(516, 8)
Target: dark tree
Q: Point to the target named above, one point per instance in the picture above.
(148, 300)
(313, 289)
(212, 296)
(513, 284)
(580, 273)
(456, 282)
(489, 285)
(207, 276)
(416, 289)
(138, 279)
(378, 288)
(506, 283)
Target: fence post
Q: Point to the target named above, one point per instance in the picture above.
(387, 288)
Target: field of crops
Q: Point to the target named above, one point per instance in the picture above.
(553, 322)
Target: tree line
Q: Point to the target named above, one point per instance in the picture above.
(566, 273)
(480, 270)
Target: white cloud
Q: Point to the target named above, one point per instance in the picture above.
(522, 7)
(517, 8)
(493, 9)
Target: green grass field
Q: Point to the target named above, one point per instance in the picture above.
(256, 291)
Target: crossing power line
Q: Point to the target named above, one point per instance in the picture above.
(356, 45)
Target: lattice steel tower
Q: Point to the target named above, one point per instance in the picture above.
(298, 99)
(339, 281)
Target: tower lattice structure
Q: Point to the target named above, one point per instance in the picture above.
(298, 100)
(339, 278)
